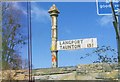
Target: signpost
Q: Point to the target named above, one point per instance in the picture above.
(77, 44)
(53, 11)
(66, 44)
(104, 7)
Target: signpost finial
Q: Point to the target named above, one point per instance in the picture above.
(53, 10)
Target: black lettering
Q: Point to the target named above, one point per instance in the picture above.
(60, 43)
(89, 45)
(69, 47)
(79, 46)
(61, 47)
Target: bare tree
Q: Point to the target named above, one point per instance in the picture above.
(105, 54)
(13, 39)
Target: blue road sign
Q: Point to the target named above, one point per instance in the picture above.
(104, 7)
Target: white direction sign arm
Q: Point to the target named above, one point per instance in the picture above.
(76, 44)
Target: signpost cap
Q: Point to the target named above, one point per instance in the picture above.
(53, 10)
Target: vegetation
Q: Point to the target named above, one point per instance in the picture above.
(0, 36)
(12, 37)
(105, 54)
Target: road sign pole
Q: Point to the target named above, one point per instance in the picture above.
(119, 31)
(116, 23)
(119, 40)
(117, 28)
(54, 13)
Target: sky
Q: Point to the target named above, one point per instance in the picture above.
(77, 20)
